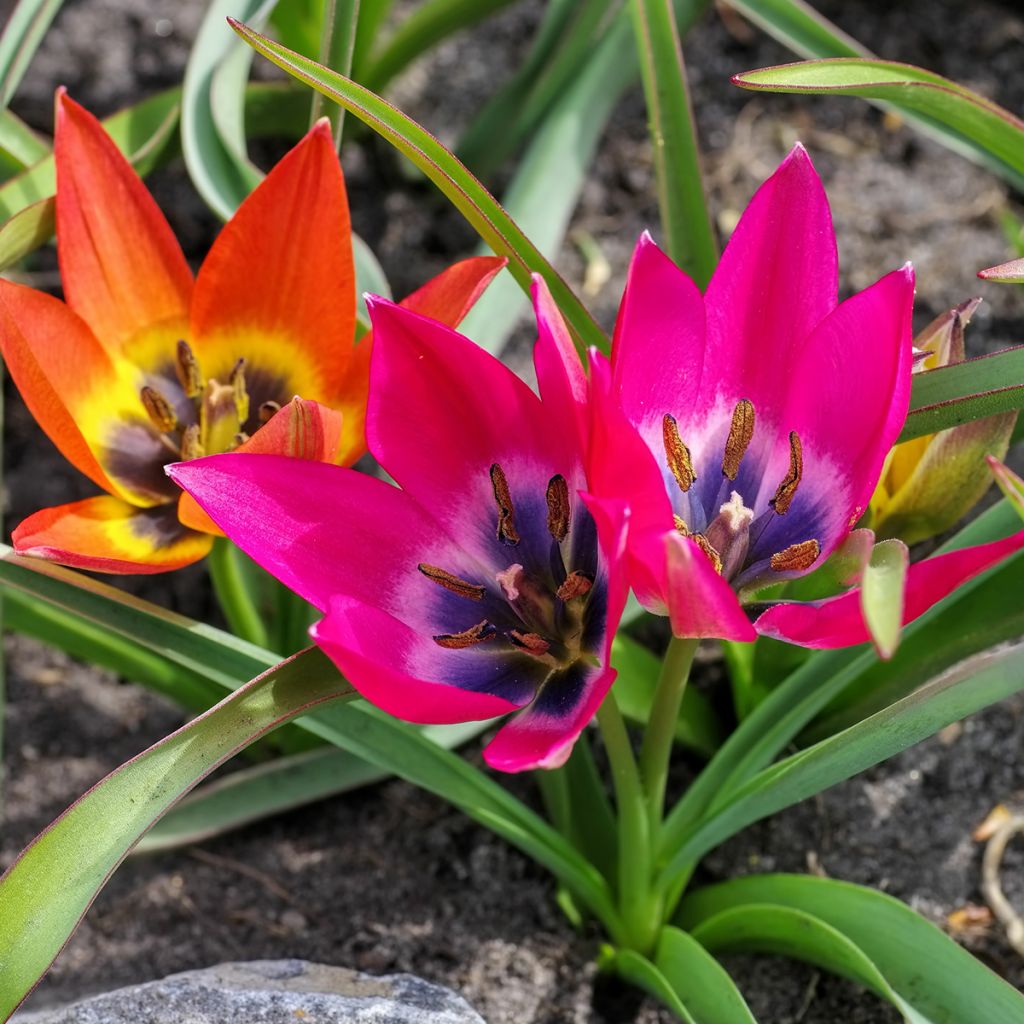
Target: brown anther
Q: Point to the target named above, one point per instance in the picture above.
(709, 549)
(159, 409)
(787, 489)
(189, 374)
(681, 524)
(741, 432)
(191, 446)
(532, 643)
(267, 411)
(558, 507)
(237, 381)
(677, 454)
(507, 532)
(576, 584)
(452, 582)
(467, 638)
(796, 557)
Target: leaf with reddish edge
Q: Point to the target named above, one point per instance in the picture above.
(48, 889)
(1005, 273)
(1009, 483)
(465, 191)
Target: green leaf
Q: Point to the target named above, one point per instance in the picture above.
(689, 236)
(798, 26)
(963, 119)
(638, 970)
(20, 145)
(926, 968)
(25, 232)
(1010, 484)
(1005, 273)
(974, 684)
(26, 25)
(699, 980)
(783, 931)
(950, 395)
(881, 594)
(467, 194)
(216, 162)
(47, 890)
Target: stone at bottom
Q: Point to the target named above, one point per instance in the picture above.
(269, 992)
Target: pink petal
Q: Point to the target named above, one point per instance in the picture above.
(838, 622)
(536, 739)
(560, 377)
(776, 280)
(320, 529)
(442, 411)
(372, 649)
(658, 349)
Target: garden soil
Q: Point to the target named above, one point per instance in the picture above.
(389, 878)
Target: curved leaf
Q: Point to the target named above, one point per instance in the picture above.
(638, 970)
(26, 25)
(1005, 273)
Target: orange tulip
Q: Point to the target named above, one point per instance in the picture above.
(144, 366)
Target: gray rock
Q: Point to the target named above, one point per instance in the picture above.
(269, 992)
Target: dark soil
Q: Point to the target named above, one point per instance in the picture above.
(390, 878)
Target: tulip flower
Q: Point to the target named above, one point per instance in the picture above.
(746, 428)
(931, 482)
(142, 366)
(482, 584)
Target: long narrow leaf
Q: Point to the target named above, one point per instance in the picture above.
(472, 200)
(48, 889)
(798, 26)
(24, 31)
(19, 144)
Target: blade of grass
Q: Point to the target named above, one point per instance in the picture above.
(24, 31)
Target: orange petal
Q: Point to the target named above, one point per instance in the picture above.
(106, 534)
(278, 286)
(448, 298)
(122, 268)
(302, 429)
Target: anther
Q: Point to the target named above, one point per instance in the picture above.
(796, 557)
(787, 489)
(532, 643)
(191, 446)
(576, 584)
(677, 454)
(558, 507)
(467, 638)
(709, 549)
(159, 409)
(237, 381)
(267, 411)
(452, 582)
(680, 524)
(187, 366)
(741, 432)
(507, 532)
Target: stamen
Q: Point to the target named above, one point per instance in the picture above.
(237, 381)
(708, 548)
(159, 409)
(507, 532)
(677, 454)
(796, 557)
(787, 489)
(532, 643)
(267, 411)
(452, 582)
(189, 374)
(576, 584)
(191, 446)
(558, 507)
(680, 523)
(741, 432)
(467, 638)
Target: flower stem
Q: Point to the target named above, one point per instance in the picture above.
(656, 751)
(233, 594)
(634, 888)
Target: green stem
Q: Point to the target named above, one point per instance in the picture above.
(689, 234)
(554, 791)
(233, 595)
(656, 752)
(634, 889)
(337, 44)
